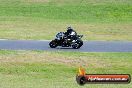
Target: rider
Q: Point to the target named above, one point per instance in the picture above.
(70, 33)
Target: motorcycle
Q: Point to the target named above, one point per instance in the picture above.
(62, 40)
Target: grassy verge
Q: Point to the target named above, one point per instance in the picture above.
(37, 69)
(42, 19)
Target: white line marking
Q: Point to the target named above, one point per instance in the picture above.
(3, 39)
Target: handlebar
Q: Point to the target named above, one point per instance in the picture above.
(80, 36)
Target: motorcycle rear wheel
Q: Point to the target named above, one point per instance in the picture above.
(53, 44)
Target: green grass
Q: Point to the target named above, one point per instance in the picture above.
(42, 19)
(37, 69)
(79, 13)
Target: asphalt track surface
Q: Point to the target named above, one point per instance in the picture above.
(89, 46)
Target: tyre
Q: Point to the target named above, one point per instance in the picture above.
(77, 44)
(53, 44)
(81, 80)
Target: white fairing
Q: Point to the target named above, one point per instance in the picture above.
(73, 33)
(60, 35)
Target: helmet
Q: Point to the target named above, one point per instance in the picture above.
(69, 29)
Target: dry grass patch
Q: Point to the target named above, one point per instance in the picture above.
(36, 1)
(94, 60)
(47, 30)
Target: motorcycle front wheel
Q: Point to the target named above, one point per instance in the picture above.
(77, 44)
